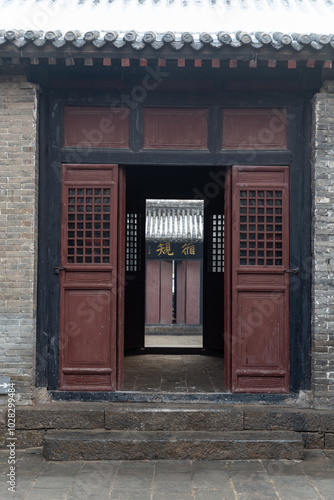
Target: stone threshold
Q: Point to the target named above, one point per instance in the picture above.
(179, 397)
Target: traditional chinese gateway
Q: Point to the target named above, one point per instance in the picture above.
(105, 105)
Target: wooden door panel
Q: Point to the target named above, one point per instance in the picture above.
(260, 384)
(261, 340)
(98, 380)
(193, 293)
(89, 309)
(188, 292)
(105, 127)
(260, 285)
(254, 129)
(181, 272)
(166, 298)
(152, 292)
(88, 277)
(175, 128)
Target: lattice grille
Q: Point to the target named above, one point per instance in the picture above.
(88, 236)
(261, 228)
(133, 240)
(215, 260)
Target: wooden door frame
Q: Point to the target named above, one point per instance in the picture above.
(53, 153)
(121, 282)
(228, 281)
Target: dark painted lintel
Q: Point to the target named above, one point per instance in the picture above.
(186, 157)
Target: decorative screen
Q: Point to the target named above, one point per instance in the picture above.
(216, 244)
(88, 233)
(261, 228)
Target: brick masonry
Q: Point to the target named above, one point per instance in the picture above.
(18, 232)
(323, 247)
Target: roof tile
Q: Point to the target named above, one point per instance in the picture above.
(174, 23)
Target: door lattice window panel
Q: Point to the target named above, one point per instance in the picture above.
(133, 242)
(261, 223)
(215, 245)
(88, 232)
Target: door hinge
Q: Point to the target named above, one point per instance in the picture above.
(58, 269)
(294, 270)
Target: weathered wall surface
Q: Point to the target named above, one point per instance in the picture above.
(18, 233)
(323, 248)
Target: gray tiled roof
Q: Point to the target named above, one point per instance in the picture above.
(139, 41)
(167, 23)
(174, 220)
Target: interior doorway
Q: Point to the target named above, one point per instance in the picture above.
(174, 233)
(150, 360)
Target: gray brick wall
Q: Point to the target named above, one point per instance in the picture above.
(323, 248)
(18, 232)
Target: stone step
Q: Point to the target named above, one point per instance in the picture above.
(174, 445)
(316, 427)
(173, 417)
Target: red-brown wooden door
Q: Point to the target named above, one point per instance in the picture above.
(260, 283)
(159, 299)
(88, 278)
(188, 292)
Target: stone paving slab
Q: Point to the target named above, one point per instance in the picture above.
(173, 373)
(37, 479)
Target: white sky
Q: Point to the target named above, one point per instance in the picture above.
(301, 16)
